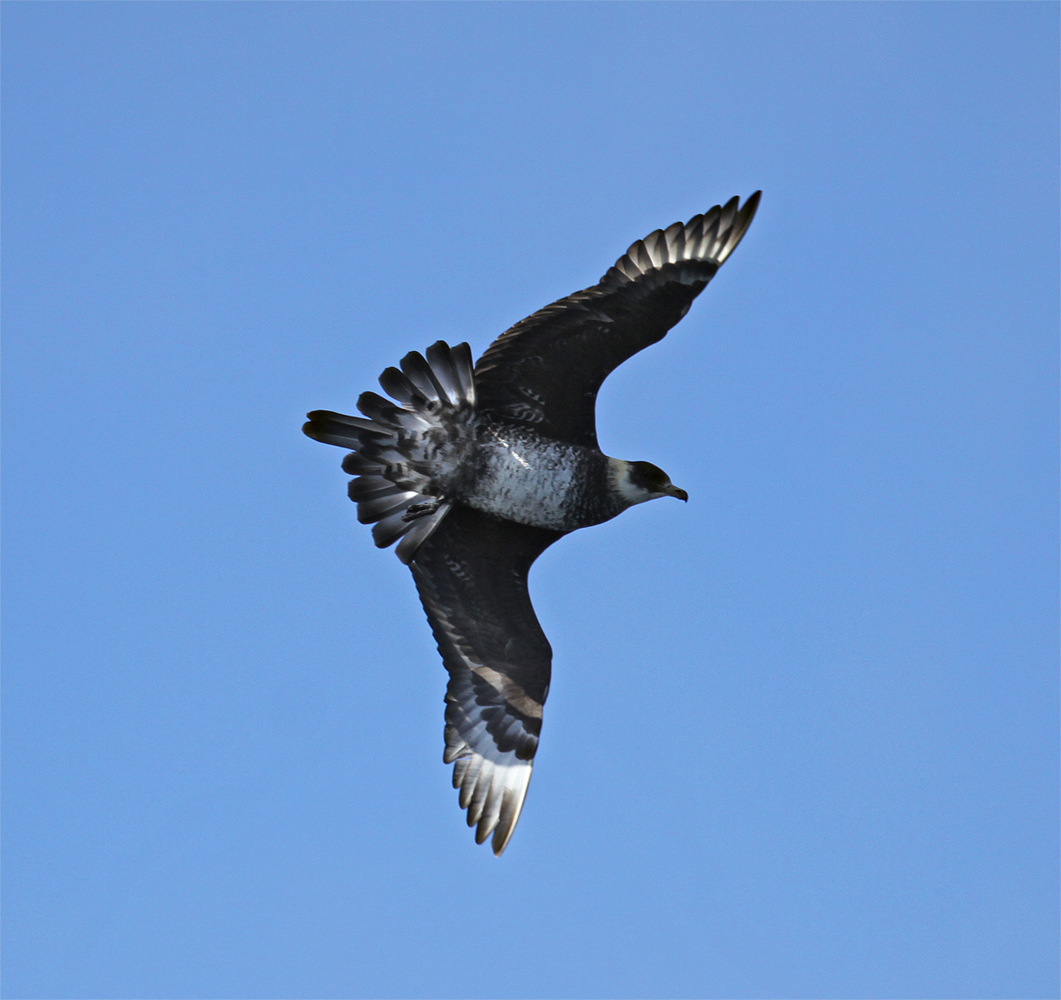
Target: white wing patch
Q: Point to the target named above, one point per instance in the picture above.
(492, 783)
(711, 237)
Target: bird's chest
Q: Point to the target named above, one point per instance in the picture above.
(531, 480)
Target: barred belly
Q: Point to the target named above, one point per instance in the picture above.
(528, 479)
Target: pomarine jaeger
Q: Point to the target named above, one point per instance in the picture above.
(476, 470)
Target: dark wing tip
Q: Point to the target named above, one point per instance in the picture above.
(733, 224)
(744, 220)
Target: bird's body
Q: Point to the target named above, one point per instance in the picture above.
(512, 472)
(476, 470)
(567, 489)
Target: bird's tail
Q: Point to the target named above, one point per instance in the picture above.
(390, 449)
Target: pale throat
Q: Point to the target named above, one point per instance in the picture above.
(619, 475)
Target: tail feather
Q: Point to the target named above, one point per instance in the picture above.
(390, 445)
(439, 363)
(372, 487)
(418, 371)
(448, 367)
(410, 420)
(337, 428)
(356, 464)
(375, 407)
(464, 369)
(389, 529)
(396, 384)
(370, 511)
(418, 532)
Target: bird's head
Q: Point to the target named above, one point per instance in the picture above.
(637, 482)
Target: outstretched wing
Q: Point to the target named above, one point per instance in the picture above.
(472, 577)
(546, 370)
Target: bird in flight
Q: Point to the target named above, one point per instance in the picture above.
(475, 470)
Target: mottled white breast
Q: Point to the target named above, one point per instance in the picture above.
(526, 479)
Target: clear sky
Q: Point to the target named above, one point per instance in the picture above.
(802, 734)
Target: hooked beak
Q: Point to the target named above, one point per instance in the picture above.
(675, 491)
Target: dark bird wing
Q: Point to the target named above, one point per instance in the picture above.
(546, 370)
(472, 577)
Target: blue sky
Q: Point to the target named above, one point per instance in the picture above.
(802, 734)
